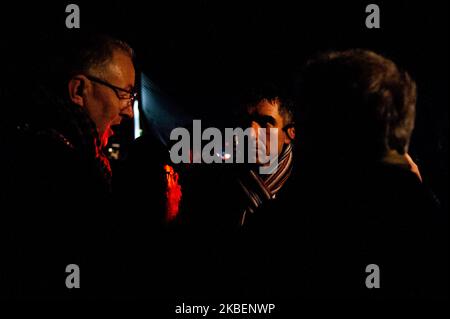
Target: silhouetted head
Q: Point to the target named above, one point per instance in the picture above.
(356, 102)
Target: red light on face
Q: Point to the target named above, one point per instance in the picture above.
(173, 193)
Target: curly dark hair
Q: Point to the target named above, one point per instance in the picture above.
(272, 92)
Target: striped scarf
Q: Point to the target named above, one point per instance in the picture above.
(260, 188)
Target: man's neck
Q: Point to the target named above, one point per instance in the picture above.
(392, 157)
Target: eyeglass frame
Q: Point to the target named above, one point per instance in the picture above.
(133, 93)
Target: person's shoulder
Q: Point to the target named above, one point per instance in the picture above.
(398, 179)
(38, 152)
(44, 141)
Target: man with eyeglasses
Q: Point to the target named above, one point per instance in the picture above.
(57, 177)
(106, 90)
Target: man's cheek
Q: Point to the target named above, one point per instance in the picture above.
(115, 121)
(114, 118)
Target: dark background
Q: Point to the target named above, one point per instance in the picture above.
(203, 53)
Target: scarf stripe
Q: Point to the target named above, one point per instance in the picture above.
(260, 188)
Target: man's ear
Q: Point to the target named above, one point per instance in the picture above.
(290, 135)
(76, 88)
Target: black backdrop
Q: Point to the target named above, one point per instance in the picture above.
(202, 53)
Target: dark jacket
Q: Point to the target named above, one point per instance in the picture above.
(360, 213)
(55, 188)
(326, 226)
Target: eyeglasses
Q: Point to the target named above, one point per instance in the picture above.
(122, 94)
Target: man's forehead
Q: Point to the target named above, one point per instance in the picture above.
(121, 68)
